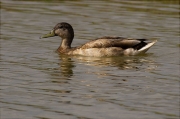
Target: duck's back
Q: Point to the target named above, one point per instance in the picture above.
(110, 46)
(106, 42)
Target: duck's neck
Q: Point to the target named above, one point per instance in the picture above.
(65, 45)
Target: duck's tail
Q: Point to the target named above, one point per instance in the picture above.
(146, 47)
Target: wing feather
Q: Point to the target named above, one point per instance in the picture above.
(106, 42)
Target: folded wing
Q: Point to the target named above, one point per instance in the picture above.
(121, 42)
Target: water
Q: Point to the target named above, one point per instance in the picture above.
(37, 83)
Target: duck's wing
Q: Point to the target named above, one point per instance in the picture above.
(121, 42)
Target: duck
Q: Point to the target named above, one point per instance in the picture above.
(106, 46)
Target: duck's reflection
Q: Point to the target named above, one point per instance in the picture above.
(66, 66)
(67, 63)
(124, 62)
(64, 71)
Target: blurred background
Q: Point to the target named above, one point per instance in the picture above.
(38, 83)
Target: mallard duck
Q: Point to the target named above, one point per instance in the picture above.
(104, 46)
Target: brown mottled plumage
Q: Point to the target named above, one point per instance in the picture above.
(105, 46)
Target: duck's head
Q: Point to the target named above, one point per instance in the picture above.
(63, 30)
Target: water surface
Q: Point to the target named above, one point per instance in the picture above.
(37, 83)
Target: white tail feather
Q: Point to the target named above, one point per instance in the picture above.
(145, 48)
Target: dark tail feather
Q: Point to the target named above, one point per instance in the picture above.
(140, 45)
